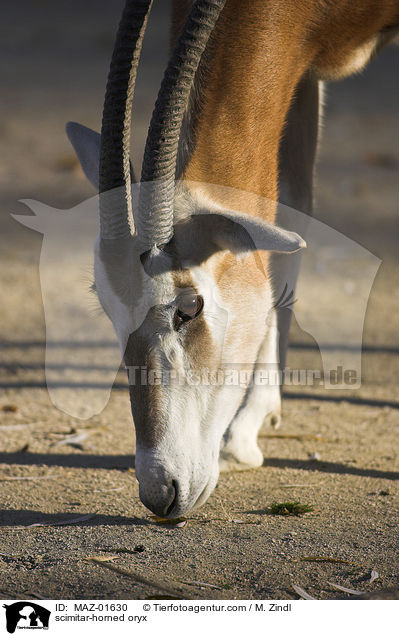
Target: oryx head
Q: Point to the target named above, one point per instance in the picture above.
(180, 278)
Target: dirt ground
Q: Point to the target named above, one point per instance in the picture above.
(54, 66)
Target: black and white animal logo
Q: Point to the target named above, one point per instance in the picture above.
(26, 615)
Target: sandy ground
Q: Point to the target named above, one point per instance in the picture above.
(54, 65)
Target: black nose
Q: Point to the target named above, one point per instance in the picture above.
(162, 501)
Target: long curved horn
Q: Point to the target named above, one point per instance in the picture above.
(116, 218)
(155, 217)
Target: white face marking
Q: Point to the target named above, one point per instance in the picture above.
(125, 315)
(191, 416)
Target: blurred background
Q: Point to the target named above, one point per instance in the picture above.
(54, 57)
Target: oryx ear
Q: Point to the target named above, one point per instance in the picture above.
(197, 237)
(86, 143)
(241, 233)
(44, 214)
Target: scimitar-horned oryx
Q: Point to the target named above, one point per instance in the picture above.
(182, 269)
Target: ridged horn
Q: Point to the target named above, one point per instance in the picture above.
(155, 214)
(116, 218)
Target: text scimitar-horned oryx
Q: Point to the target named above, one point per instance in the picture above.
(183, 271)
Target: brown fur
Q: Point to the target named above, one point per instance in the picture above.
(259, 52)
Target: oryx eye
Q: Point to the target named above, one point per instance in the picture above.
(189, 306)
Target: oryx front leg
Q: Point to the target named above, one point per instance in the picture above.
(239, 449)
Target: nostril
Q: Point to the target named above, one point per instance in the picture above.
(172, 505)
(162, 500)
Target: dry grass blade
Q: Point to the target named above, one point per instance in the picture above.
(13, 427)
(300, 485)
(373, 575)
(27, 478)
(54, 523)
(72, 440)
(11, 556)
(138, 578)
(39, 596)
(102, 558)
(200, 584)
(302, 593)
(348, 590)
(110, 489)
